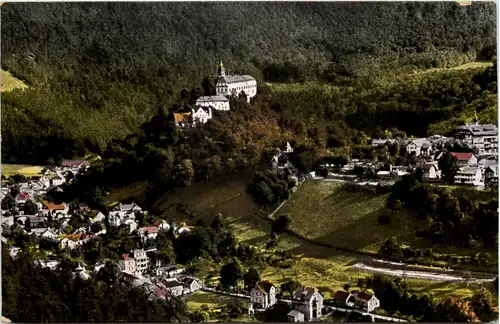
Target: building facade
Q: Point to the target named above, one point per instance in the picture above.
(484, 138)
(263, 295)
(468, 176)
(229, 85)
(308, 301)
(216, 102)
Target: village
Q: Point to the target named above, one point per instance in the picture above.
(139, 267)
(27, 208)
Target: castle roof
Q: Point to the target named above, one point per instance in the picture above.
(235, 78)
(211, 99)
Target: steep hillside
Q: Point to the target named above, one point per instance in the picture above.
(99, 70)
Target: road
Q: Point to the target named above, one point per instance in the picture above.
(405, 271)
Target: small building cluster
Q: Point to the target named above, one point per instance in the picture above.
(478, 167)
(226, 86)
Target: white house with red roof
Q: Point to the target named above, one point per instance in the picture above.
(148, 233)
(134, 263)
(465, 158)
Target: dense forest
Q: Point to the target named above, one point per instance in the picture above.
(98, 71)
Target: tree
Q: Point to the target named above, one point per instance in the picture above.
(27, 224)
(8, 203)
(347, 287)
(251, 278)
(208, 87)
(229, 274)
(448, 166)
(390, 247)
(218, 223)
(484, 306)
(281, 224)
(30, 208)
(199, 316)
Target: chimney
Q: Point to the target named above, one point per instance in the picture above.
(390, 168)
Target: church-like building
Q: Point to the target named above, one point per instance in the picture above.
(228, 85)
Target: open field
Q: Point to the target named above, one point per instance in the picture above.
(9, 82)
(26, 170)
(196, 300)
(328, 213)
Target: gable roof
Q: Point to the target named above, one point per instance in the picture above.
(181, 118)
(149, 229)
(211, 99)
(51, 206)
(341, 295)
(74, 163)
(264, 286)
(460, 156)
(304, 293)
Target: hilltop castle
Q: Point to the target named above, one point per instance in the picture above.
(235, 84)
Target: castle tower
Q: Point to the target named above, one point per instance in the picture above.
(222, 70)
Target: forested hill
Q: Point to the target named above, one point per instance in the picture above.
(97, 71)
(189, 37)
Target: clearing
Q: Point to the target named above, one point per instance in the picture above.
(214, 302)
(9, 82)
(328, 213)
(26, 170)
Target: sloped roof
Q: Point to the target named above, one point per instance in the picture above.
(181, 118)
(264, 286)
(51, 206)
(211, 99)
(304, 293)
(235, 78)
(460, 156)
(341, 295)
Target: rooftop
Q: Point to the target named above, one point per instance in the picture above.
(235, 78)
(461, 156)
(211, 98)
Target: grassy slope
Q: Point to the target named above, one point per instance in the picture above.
(10, 82)
(327, 213)
(26, 170)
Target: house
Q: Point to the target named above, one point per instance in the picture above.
(233, 85)
(115, 218)
(169, 271)
(74, 240)
(468, 176)
(148, 233)
(430, 170)
(99, 217)
(309, 301)
(130, 224)
(57, 181)
(174, 287)
(201, 115)
(263, 295)
(217, 102)
(484, 137)
(182, 230)
(363, 300)
(130, 208)
(191, 285)
(74, 164)
(34, 221)
(419, 146)
(22, 197)
(183, 120)
(491, 176)
(162, 225)
(135, 263)
(8, 220)
(44, 232)
(55, 209)
(465, 159)
(288, 148)
(295, 316)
